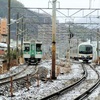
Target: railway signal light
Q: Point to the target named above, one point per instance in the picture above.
(70, 33)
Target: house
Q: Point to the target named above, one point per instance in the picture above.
(3, 30)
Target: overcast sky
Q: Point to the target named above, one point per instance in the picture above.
(63, 3)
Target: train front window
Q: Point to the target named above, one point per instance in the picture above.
(26, 47)
(38, 47)
(85, 49)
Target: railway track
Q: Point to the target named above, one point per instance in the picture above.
(82, 96)
(90, 90)
(62, 91)
(68, 88)
(21, 75)
(19, 81)
(12, 73)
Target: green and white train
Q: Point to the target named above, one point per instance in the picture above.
(32, 51)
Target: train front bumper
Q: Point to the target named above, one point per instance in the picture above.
(85, 58)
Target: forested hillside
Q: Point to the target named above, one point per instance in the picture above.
(30, 17)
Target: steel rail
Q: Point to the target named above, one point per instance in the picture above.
(13, 74)
(68, 88)
(20, 78)
(90, 90)
(16, 79)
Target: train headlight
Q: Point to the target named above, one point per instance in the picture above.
(79, 55)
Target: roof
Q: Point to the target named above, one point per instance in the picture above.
(2, 52)
(4, 45)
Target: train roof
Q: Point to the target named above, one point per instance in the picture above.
(93, 43)
(38, 42)
(26, 42)
(86, 43)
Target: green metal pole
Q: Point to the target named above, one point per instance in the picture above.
(8, 53)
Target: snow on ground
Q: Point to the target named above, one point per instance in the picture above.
(14, 70)
(75, 69)
(96, 94)
(71, 95)
(36, 93)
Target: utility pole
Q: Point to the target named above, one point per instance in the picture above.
(22, 39)
(77, 46)
(17, 27)
(43, 44)
(53, 37)
(8, 47)
(97, 45)
(69, 46)
(27, 35)
(68, 54)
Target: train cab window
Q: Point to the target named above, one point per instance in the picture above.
(89, 49)
(38, 47)
(26, 49)
(85, 49)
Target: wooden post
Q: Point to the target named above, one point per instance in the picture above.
(2, 69)
(27, 82)
(51, 76)
(11, 88)
(37, 79)
(58, 70)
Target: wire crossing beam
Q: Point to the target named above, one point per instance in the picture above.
(75, 10)
(57, 8)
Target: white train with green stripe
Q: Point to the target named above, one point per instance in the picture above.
(32, 51)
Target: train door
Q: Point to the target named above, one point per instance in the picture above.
(33, 50)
